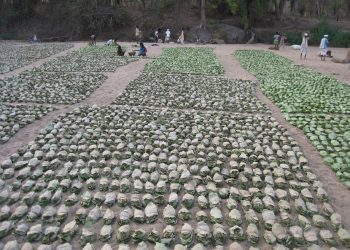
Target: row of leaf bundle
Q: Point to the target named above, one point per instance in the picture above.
(14, 117)
(201, 61)
(293, 88)
(16, 56)
(318, 104)
(99, 174)
(89, 59)
(55, 82)
(192, 92)
(331, 136)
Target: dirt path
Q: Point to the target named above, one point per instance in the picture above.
(105, 94)
(41, 61)
(339, 195)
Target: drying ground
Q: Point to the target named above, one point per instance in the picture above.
(179, 135)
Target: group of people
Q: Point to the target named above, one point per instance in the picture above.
(157, 36)
(279, 41)
(120, 52)
(324, 44)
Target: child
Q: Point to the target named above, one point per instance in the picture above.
(276, 41)
(143, 50)
(283, 40)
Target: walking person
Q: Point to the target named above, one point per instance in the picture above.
(156, 35)
(276, 40)
(324, 47)
(182, 37)
(137, 34)
(167, 35)
(283, 41)
(304, 47)
(93, 39)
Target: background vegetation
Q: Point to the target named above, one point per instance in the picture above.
(77, 19)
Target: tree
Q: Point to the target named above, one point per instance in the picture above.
(279, 8)
(248, 10)
(203, 17)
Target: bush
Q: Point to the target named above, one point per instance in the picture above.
(293, 38)
(337, 37)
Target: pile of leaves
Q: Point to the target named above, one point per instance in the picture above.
(200, 61)
(293, 88)
(49, 87)
(16, 56)
(331, 136)
(197, 177)
(14, 117)
(316, 103)
(190, 91)
(91, 58)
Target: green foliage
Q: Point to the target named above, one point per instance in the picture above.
(248, 10)
(234, 6)
(186, 61)
(293, 37)
(317, 104)
(337, 38)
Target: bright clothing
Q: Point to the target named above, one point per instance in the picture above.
(109, 42)
(182, 37)
(304, 45)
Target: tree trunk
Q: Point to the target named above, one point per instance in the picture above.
(282, 7)
(318, 8)
(294, 6)
(203, 19)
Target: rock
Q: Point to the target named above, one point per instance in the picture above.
(232, 34)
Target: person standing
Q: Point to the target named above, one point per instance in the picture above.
(93, 39)
(182, 37)
(324, 47)
(156, 35)
(283, 41)
(304, 47)
(167, 35)
(276, 40)
(137, 34)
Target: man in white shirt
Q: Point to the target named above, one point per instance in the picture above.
(167, 35)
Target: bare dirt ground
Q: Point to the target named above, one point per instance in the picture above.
(118, 80)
